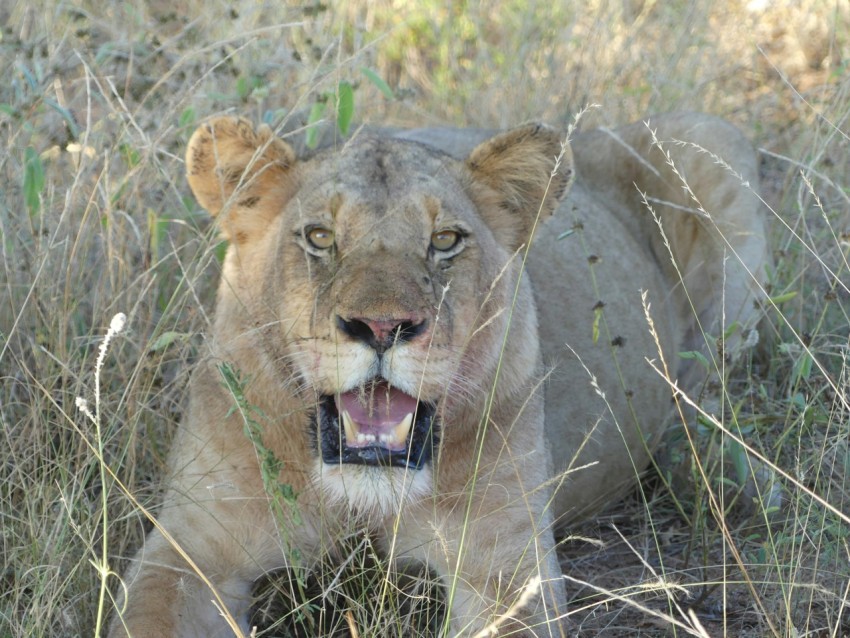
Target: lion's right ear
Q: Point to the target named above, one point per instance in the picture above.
(241, 174)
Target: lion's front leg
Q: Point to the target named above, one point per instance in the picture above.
(166, 596)
(203, 588)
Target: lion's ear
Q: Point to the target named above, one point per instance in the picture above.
(234, 170)
(515, 180)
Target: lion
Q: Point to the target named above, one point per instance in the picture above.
(456, 339)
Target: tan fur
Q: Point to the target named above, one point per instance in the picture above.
(494, 342)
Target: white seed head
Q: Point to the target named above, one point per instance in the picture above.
(117, 323)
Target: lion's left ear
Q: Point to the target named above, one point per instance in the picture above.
(515, 180)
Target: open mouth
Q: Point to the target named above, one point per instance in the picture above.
(377, 424)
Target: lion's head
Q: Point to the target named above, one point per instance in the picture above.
(377, 282)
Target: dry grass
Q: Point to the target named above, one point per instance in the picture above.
(95, 219)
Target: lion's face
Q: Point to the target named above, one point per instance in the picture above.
(384, 275)
(384, 278)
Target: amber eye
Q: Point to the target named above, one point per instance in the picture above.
(443, 240)
(320, 237)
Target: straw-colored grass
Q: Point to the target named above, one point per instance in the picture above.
(95, 219)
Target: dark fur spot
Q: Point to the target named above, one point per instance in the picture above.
(245, 130)
(381, 175)
(249, 202)
(199, 157)
(229, 174)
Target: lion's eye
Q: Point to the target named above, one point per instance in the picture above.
(444, 240)
(320, 237)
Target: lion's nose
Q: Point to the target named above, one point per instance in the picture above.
(382, 334)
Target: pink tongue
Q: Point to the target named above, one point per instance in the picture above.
(378, 406)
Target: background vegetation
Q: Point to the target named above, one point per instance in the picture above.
(98, 100)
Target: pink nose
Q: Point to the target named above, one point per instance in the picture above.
(383, 329)
(382, 334)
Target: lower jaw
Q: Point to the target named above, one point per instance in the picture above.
(373, 456)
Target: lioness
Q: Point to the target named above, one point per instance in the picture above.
(400, 340)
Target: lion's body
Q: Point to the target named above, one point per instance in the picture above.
(391, 306)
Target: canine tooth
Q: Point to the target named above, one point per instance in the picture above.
(351, 430)
(401, 431)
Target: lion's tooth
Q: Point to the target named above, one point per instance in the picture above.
(352, 432)
(401, 431)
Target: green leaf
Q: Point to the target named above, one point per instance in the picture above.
(802, 368)
(167, 338)
(131, 155)
(597, 315)
(220, 251)
(695, 354)
(66, 115)
(788, 296)
(739, 461)
(30, 78)
(344, 107)
(270, 117)
(243, 87)
(33, 180)
(378, 81)
(317, 111)
(158, 231)
(187, 118)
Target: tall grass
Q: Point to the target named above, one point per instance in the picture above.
(95, 218)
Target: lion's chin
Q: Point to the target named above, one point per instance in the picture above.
(373, 491)
(377, 425)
